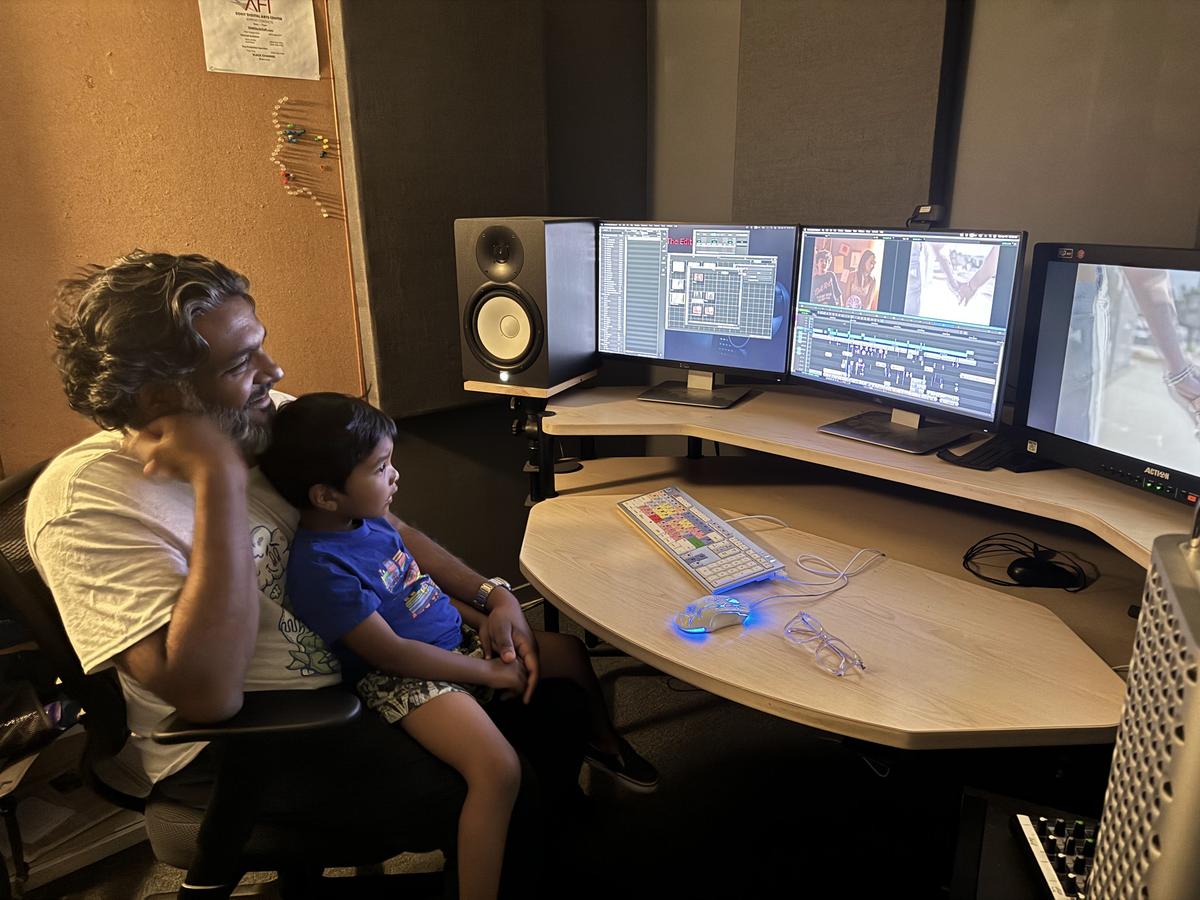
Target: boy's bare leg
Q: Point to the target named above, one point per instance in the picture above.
(455, 729)
(564, 656)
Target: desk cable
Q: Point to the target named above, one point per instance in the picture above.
(800, 628)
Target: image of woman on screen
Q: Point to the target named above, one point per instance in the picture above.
(861, 288)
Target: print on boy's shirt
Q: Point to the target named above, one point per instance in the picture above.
(418, 600)
(390, 574)
(413, 572)
(420, 591)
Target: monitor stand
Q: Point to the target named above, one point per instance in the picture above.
(698, 391)
(901, 430)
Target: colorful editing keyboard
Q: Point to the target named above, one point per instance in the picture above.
(716, 555)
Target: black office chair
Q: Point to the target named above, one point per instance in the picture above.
(220, 843)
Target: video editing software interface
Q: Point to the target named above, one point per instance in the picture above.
(715, 295)
(915, 315)
(1113, 365)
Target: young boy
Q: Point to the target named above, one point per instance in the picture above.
(413, 654)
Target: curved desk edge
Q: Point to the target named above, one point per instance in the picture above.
(847, 727)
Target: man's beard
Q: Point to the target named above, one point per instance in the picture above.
(251, 436)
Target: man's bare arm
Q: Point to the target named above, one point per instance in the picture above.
(197, 662)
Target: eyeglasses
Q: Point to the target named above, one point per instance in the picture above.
(832, 653)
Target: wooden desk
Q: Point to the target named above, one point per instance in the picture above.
(951, 662)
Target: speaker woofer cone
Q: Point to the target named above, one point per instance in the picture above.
(503, 327)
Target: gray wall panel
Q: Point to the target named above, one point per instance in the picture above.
(596, 108)
(448, 110)
(836, 109)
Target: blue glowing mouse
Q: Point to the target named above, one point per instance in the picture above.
(711, 613)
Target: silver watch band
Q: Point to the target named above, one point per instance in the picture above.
(485, 590)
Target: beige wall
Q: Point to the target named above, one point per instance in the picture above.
(116, 137)
(1081, 121)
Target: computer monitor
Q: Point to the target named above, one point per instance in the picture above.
(916, 320)
(1108, 383)
(707, 298)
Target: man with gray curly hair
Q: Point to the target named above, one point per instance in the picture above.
(165, 550)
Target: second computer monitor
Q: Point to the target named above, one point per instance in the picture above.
(916, 319)
(708, 297)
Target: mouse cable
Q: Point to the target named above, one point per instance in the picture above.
(768, 518)
(833, 578)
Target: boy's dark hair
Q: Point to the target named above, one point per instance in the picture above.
(320, 439)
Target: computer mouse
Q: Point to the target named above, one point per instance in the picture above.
(711, 613)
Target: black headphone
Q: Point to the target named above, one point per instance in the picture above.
(1032, 564)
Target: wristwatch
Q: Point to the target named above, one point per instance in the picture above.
(485, 590)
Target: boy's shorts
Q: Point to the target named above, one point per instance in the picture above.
(395, 696)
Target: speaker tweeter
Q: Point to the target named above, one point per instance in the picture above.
(499, 253)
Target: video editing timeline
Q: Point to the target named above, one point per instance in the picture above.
(706, 294)
(922, 361)
(918, 316)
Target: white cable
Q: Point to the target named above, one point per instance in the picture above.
(768, 518)
(834, 579)
(831, 574)
(846, 572)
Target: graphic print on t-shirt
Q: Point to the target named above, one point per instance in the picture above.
(423, 591)
(390, 574)
(309, 654)
(420, 598)
(412, 573)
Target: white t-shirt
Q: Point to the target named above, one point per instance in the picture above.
(113, 545)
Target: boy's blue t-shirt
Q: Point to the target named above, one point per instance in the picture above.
(336, 579)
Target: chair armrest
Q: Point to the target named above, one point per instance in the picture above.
(267, 714)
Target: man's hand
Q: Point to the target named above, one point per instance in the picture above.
(507, 634)
(184, 446)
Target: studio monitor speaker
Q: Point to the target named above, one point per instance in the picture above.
(526, 303)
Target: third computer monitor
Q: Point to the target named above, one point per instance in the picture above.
(1108, 383)
(916, 319)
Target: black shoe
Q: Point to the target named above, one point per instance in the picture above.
(626, 765)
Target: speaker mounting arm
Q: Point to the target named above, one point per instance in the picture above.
(540, 463)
